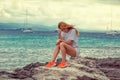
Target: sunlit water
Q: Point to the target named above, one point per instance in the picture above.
(19, 49)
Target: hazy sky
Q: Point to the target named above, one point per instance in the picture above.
(85, 14)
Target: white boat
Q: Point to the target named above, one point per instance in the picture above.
(110, 29)
(27, 30)
(113, 32)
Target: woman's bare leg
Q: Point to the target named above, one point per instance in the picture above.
(67, 49)
(56, 51)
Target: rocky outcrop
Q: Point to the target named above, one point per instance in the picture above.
(110, 66)
(78, 69)
(24, 73)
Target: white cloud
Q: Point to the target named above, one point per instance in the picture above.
(85, 14)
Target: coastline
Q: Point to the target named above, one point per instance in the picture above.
(79, 68)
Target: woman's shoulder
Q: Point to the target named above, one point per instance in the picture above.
(72, 30)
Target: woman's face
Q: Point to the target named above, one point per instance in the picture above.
(65, 29)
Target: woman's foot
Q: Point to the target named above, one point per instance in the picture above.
(62, 64)
(50, 64)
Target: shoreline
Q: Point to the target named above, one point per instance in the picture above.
(108, 67)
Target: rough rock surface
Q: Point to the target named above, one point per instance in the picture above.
(78, 68)
(110, 66)
(24, 73)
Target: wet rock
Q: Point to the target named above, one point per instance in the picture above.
(28, 79)
(22, 73)
(110, 66)
(85, 78)
(109, 63)
(4, 73)
(33, 65)
(26, 72)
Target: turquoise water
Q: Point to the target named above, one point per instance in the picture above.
(19, 49)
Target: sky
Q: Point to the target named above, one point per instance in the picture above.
(84, 14)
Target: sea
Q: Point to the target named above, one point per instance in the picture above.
(18, 49)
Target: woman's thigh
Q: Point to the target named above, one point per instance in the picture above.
(70, 50)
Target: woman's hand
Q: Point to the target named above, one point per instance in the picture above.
(69, 42)
(58, 41)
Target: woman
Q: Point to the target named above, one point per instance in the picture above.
(67, 44)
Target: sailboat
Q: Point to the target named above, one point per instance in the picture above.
(27, 30)
(113, 32)
(110, 30)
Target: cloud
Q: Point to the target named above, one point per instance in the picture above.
(109, 2)
(85, 14)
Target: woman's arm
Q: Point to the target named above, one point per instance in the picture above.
(59, 34)
(67, 42)
(61, 39)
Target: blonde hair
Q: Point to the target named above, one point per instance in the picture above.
(63, 25)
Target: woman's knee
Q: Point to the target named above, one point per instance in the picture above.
(62, 44)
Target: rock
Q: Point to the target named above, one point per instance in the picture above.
(58, 61)
(28, 79)
(21, 74)
(110, 66)
(77, 69)
(4, 73)
(33, 65)
(85, 78)
(109, 63)
(5, 77)
(25, 72)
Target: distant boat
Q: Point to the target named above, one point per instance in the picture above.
(113, 32)
(27, 30)
(109, 28)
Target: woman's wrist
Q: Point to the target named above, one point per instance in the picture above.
(61, 40)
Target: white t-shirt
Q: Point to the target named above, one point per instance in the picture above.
(71, 35)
